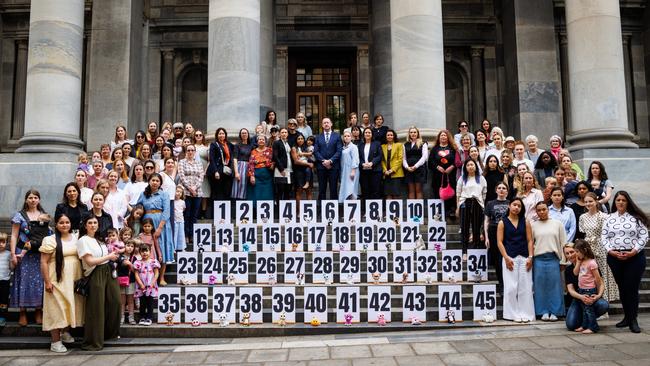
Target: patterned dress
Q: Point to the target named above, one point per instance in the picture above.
(27, 286)
(146, 271)
(592, 226)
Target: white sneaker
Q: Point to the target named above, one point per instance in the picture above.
(149, 322)
(552, 318)
(603, 317)
(67, 338)
(58, 347)
(545, 317)
(518, 320)
(525, 320)
(143, 322)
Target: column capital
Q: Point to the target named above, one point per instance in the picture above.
(281, 51)
(362, 50)
(477, 51)
(168, 53)
(22, 44)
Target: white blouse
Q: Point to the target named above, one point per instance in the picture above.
(623, 232)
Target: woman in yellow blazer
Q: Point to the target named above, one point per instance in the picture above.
(391, 163)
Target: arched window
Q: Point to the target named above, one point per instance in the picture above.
(194, 96)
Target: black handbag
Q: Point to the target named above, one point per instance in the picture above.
(82, 286)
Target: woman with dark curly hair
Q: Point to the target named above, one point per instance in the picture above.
(221, 167)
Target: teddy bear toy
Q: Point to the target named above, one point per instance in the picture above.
(223, 320)
(348, 319)
(381, 320)
(246, 319)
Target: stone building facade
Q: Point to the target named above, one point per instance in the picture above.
(72, 70)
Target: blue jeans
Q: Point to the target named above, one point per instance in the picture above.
(588, 313)
(574, 313)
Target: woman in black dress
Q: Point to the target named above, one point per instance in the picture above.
(71, 206)
(441, 163)
(415, 157)
(220, 169)
(578, 207)
(494, 175)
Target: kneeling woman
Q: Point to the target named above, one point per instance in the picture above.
(515, 240)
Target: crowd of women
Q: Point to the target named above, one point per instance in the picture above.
(526, 205)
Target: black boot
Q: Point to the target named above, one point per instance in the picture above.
(634, 326)
(623, 323)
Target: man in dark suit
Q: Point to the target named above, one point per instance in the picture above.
(327, 151)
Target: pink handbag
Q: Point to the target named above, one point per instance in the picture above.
(446, 191)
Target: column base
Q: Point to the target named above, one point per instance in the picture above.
(427, 134)
(602, 139)
(49, 143)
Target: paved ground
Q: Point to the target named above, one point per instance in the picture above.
(539, 343)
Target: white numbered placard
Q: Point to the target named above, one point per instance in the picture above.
(450, 303)
(294, 263)
(315, 304)
(223, 303)
(477, 268)
(316, 237)
(224, 237)
(386, 235)
(409, 235)
(485, 301)
(414, 303)
(403, 266)
(437, 235)
(452, 265)
(266, 267)
(247, 237)
(377, 266)
(352, 212)
(348, 302)
(293, 237)
(222, 213)
(250, 301)
(308, 211)
(202, 237)
(426, 266)
(244, 212)
(271, 237)
(288, 212)
(435, 210)
(196, 304)
(187, 267)
(237, 266)
(379, 298)
(169, 303)
(211, 268)
(415, 210)
(374, 210)
(350, 267)
(283, 300)
(364, 236)
(264, 213)
(394, 210)
(322, 267)
(341, 237)
(329, 211)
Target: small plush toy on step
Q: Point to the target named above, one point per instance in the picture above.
(283, 319)
(348, 319)
(223, 320)
(451, 316)
(381, 320)
(415, 321)
(231, 280)
(212, 280)
(169, 318)
(246, 319)
(314, 321)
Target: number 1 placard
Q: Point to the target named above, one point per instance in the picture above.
(222, 213)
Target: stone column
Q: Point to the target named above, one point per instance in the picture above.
(596, 76)
(363, 80)
(281, 78)
(267, 53)
(234, 65)
(54, 69)
(418, 71)
(478, 88)
(564, 71)
(629, 84)
(381, 99)
(167, 91)
(18, 122)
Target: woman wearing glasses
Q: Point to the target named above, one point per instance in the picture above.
(463, 127)
(202, 151)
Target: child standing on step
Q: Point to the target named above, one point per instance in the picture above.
(588, 281)
(179, 219)
(5, 275)
(126, 279)
(146, 275)
(147, 237)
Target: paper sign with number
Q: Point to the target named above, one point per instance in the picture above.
(374, 210)
(308, 211)
(329, 211)
(426, 265)
(450, 303)
(415, 211)
(283, 300)
(169, 303)
(247, 237)
(485, 301)
(187, 267)
(316, 237)
(341, 237)
(352, 212)
(294, 263)
(224, 235)
(348, 302)
(264, 212)
(379, 303)
(322, 267)
(293, 237)
(196, 304)
(377, 266)
(414, 303)
(403, 266)
(223, 303)
(349, 267)
(452, 265)
(364, 236)
(211, 268)
(435, 210)
(222, 213)
(288, 212)
(409, 235)
(266, 265)
(250, 301)
(394, 210)
(437, 235)
(244, 212)
(386, 236)
(271, 237)
(237, 266)
(202, 237)
(477, 268)
(315, 304)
